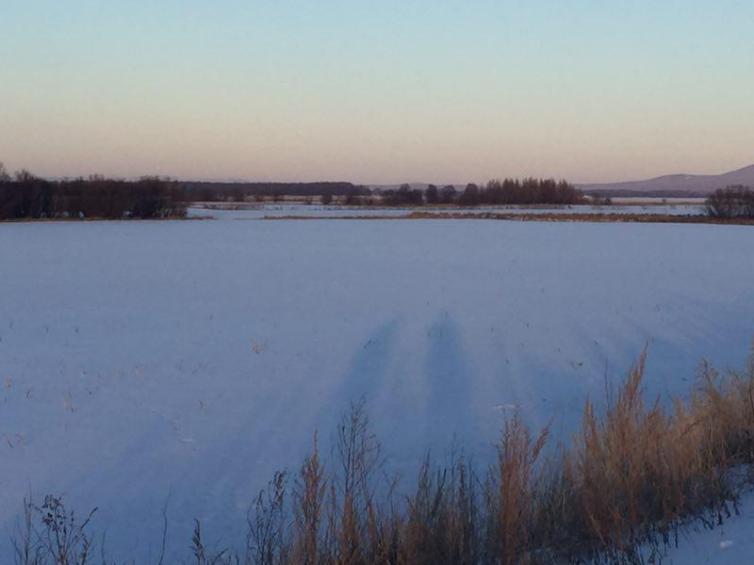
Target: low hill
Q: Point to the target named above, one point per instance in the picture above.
(674, 185)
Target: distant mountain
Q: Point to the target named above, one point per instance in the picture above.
(674, 185)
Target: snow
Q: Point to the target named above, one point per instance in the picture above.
(232, 211)
(184, 361)
(731, 543)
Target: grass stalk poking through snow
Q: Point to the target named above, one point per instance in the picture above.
(633, 476)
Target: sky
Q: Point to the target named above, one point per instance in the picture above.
(377, 91)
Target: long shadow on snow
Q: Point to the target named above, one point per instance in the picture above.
(367, 374)
(449, 416)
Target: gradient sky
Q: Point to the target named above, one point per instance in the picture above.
(377, 91)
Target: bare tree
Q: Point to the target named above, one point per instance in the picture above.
(4, 174)
(432, 194)
(731, 202)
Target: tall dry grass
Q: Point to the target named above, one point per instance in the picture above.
(636, 471)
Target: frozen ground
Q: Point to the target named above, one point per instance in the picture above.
(230, 211)
(731, 543)
(246, 212)
(145, 362)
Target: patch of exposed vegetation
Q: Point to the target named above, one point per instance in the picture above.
(630, 480)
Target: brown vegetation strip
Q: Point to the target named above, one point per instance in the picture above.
(549, 217)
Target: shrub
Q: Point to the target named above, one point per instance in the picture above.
(353, 198)
(447, 194)
(404, 196)
(470, 196)
(602, 200)
(432, 194)
(731, 202)
(51, 533)
(633, 476)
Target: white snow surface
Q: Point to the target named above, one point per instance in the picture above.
(184, 361)
(731, 543)
(231, 211)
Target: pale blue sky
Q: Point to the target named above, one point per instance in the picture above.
(378, 92)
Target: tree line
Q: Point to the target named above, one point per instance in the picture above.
(200, 191)
(731, 202)
(26, 196)
(495, 192)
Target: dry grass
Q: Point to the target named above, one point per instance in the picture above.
(635, 473)
(639, 470)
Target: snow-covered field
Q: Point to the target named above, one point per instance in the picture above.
(731, 543)
(184, 361)
(231, 211)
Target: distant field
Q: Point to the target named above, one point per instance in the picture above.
(249, 211)
(648, 200)
(145, 362)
